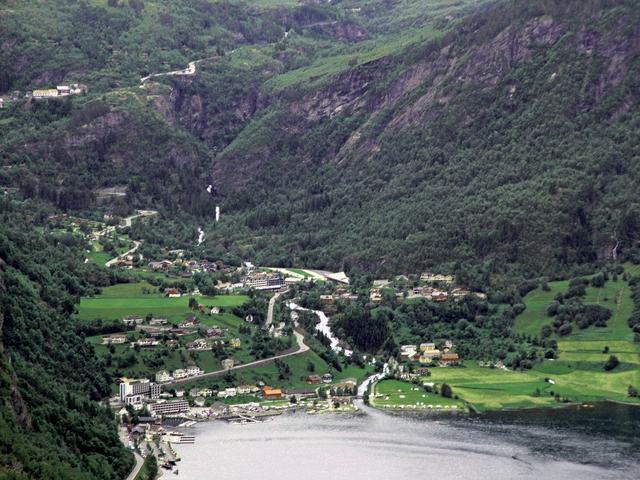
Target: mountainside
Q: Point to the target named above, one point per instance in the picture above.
(372, 135)
(50, 380)
(511, 140)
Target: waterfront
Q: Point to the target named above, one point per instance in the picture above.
(537, 444)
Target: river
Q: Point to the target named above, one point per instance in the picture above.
(323, 326)
(597, 443)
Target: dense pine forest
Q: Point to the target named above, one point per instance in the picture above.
(51, 422)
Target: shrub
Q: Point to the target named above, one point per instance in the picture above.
(612, 363)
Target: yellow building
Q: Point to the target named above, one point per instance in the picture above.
(46, 93)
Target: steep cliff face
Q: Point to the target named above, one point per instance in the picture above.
(498, 110)
(408, 91)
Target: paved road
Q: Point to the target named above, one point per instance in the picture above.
(302, 348)
(190, 70)
(127, 223)
(136, 469)
(113, 261)
(272, 304)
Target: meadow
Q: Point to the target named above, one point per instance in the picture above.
(531, 321)
(300, 368)
(396, 394)
(122, 300)
(577, 372)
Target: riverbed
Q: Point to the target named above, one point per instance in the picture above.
(376, 445)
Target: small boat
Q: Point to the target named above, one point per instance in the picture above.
(175, 472)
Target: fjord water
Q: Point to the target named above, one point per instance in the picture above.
(594, 443)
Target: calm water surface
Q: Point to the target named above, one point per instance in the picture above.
(596, 443)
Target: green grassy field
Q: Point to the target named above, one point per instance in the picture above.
(300, 271)
(101, 258)
(98, 255)
(578, 372)
(122, 300)
(396, 394)
(299, 366)
(531, 321)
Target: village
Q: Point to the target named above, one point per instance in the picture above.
(187, 315)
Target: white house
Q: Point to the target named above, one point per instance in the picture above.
(180, 373)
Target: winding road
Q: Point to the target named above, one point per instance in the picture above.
(138, 466)
(127, 223)
(113, 261)
(302, 348)
(272, 304)
(190, 70)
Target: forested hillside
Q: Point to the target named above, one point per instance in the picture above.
(490, 137)
(50, 380)
(510, 142)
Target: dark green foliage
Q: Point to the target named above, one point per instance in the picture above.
(367, 330)
(51, 423)
(634, 319)
(445, 391)
(611, 363)
(574, 312)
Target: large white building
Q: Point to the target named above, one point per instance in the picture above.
(169, 408)
(133, 390)
(264, 281)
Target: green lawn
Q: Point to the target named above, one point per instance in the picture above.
(300, 271)
(396, 394)
(531, 321)
(578, 372)
(122, 300)
(98, 255)
(101, 258)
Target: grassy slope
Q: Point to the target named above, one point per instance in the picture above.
(299, 372)
(578, 372)
(395, 28)
(119, 301)
(535, 316)
(395, 394)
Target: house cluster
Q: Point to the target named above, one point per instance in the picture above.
(153, 327)
(59, 91)
(116, 339)
(163, 376)
(201, 344)
(340, 294)
(189, 267)
(264, 280)
(318, 379)
(427, 354)
(127, 261)
(429, 277)
(434, 287)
